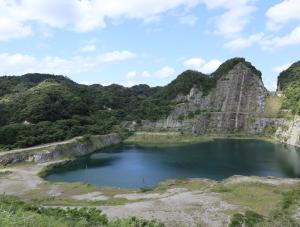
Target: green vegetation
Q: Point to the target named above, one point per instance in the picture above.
(289, 84)
(14, 212)
(185, 81)
(189, 79)
(191, 184)
(4, 173)
(149, 139)
(289, 76)
(229, 64)
(38, 108)
(162, 139)
(268, 205)
(248, 219)
(177, 183)
(41, 108)
(273, 106)
(261, 198)
(269, 130)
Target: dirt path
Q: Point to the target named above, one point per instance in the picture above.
(176, 205)
(37, 147)
(184, 208)
(21, 179)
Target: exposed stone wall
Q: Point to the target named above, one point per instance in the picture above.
(289, 132)
(234, 105)
(73, 148)
(259, 125)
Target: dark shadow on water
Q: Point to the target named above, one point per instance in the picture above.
(134, 167)
(85, 163)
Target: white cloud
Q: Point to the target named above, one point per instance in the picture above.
(116, 56)
(146, 74)
(194, 63)
(85, 83)
(129, 83)
(77, 15)
(270, 42)
(11, 21)
(282, 13)
(210, 66)
(280, 68)
(106, 84)
(131, 75)
(235, 18)
(161, 73)
(89, 48)
(10, 29)
(164, 72)
(201, 65)
(15, 64)
(274, 42)
(188, 20)
(271, 84)
(16, 16)
(240, 43)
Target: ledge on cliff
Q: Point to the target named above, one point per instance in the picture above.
(76, 147)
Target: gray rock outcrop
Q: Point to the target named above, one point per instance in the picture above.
(74, 148)
(289, 133)
(234, 105)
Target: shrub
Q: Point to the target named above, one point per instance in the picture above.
(249, 219)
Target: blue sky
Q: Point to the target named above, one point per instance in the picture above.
(146, 41)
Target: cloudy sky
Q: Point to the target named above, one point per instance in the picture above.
(146, 41)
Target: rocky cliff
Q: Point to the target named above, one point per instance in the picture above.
(289, 89)
(289, 132)
(69, 149)
(234, 104)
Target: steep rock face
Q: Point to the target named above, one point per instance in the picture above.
(289, 88)
(289, 133)
(73, 148)
(237, 99)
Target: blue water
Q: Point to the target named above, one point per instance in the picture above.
(134, 167)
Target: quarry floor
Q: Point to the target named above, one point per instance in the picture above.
(189, 202)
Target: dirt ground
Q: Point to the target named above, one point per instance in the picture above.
(175, 206)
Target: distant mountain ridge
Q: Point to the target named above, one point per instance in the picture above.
(40, 108)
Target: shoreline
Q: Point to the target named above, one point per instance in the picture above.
(181, 140)
(166, 139)
(226, 197)
(185, 202)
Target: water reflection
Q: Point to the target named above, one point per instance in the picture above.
(289, 158)
(134, 167)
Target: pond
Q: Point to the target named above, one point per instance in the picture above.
(135, 167)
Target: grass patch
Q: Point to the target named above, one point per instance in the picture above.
(161, 139)
(48, 169)
(190, 184)
(281, 214)
(165, 139)
(14, 212)
(258, 197)
(269, 130)
(4, 173)
(272, 106)
(63, 201)
(250, 218)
